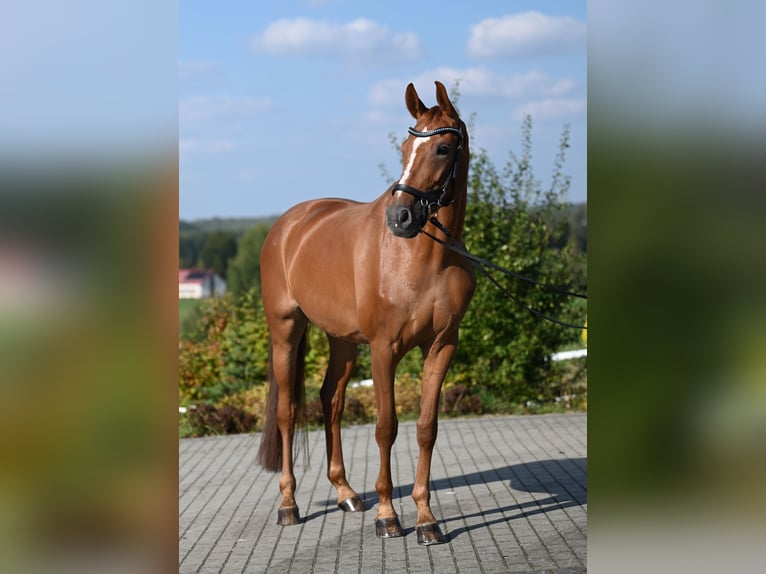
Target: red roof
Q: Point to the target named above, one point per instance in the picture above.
(194, 275)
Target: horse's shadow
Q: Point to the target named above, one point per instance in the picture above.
(563, 480)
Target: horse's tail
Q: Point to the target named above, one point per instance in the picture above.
(270, 450)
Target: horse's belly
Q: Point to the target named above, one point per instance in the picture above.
(336, 318)
(347, 332)
(327, 299)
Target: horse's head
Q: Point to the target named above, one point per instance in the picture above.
(430, 157)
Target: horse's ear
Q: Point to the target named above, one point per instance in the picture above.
(414, 104)
(443, 100)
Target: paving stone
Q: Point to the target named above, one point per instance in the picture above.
(509, 492)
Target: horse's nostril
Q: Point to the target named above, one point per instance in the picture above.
(405, 217)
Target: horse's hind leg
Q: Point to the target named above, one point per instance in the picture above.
(342, 360)
(287, 344)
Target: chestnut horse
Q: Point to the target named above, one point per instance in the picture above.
(364, 273)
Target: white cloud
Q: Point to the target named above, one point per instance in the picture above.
(550, 109)
(525, 34)
(478, 81)
(358, 39)
(560, 88)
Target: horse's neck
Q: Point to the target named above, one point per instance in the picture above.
(456, 216)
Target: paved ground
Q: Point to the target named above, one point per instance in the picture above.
(510, 493)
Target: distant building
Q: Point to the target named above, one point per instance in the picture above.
(199, 284)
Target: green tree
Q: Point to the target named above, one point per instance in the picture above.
(245, 345)
(219, 248)
(227, 352)
(190, 243)
(245, 269)
(578, 223)
(511, 220)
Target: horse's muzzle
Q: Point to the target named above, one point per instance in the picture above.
(406, 220)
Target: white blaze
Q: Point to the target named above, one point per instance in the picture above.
(408, 168)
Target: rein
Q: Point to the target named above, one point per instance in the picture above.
(434, 200)
(482, 264)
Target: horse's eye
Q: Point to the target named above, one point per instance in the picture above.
(442, 150)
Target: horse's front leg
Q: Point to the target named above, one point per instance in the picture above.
(384, 363)
(437, 360)
(333, 394)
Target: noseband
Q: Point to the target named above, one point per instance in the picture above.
(434, 199)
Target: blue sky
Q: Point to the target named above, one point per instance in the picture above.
(280, 102)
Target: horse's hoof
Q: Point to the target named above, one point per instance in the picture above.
(388, 528)
(353, 504)
(429, 534)
(288, 516)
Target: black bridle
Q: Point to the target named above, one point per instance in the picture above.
(433, 200)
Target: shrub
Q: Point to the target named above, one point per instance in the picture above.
(200, 360)
(313, 414)
(208, 419)
(513, 222)
(459, 400)
(356, 413)
(226, 354)
(245, 344)
(252, 400)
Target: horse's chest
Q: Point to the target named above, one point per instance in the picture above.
(437, 309)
